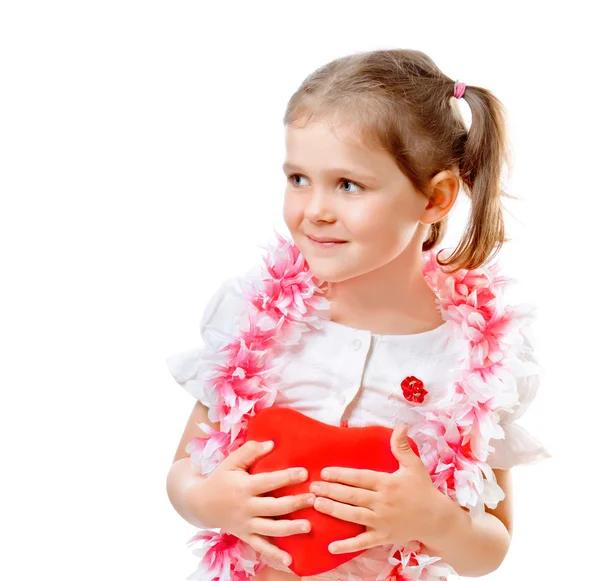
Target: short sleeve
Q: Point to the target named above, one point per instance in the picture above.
(192, 368)
(519, 446)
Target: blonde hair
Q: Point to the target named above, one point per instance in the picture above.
(401, 101)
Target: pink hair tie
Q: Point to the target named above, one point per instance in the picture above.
(459, 89)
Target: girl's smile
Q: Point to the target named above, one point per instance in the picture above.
(324, 245)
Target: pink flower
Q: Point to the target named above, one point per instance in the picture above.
(443, 448)
(224, 557)
(451, 443)
(480, 428)
(207, 453)
(288, 297)
(483, 332)
(410, 564)
(240, 386)
(477, 287)
(258, 337)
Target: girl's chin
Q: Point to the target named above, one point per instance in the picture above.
(328, 273)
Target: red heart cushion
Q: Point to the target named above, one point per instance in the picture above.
(305, 442)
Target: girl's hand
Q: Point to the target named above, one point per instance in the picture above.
(230, 498)
(396, 508)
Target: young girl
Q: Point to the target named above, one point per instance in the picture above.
(360, 319)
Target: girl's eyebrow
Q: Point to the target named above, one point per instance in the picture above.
(334, 170)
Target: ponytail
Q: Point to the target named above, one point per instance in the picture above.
(480, 168)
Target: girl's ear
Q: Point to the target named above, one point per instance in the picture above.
(443, 191)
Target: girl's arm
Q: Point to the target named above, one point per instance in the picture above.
(474, 546)
(198, 416)
(181, 480)
(182, 486)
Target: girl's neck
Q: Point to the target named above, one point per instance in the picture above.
(394, 299)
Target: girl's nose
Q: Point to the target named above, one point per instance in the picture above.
(319, 206)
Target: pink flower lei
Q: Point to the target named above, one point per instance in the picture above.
(453, 441)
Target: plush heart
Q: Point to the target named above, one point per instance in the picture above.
(304, 442)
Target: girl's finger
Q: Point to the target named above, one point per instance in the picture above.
(270, 551)
(247, 454)
(346, 494)
(355, 514)
(363, 541)
(269, 481)
(270, 506)
(279, 528)
(367, 479)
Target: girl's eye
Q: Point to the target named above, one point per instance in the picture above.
(293, 176)
(354, 183)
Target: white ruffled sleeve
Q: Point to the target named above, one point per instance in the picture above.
(220, 319)
(519, 446)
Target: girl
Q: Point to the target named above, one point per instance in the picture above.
(358, 320)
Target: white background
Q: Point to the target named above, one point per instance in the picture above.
(141, 146)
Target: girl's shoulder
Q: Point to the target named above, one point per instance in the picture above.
(225, 306)
(219, 321)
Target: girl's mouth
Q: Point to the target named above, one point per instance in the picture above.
(325, 244)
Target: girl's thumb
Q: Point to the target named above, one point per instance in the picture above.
(400, 446)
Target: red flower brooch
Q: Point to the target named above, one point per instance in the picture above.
(413, 389)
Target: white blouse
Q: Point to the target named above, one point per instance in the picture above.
(339, 373)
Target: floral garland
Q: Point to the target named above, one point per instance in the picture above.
(453, 441)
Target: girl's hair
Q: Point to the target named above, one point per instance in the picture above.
(399, 100)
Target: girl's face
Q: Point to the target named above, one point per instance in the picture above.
(338, 188)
